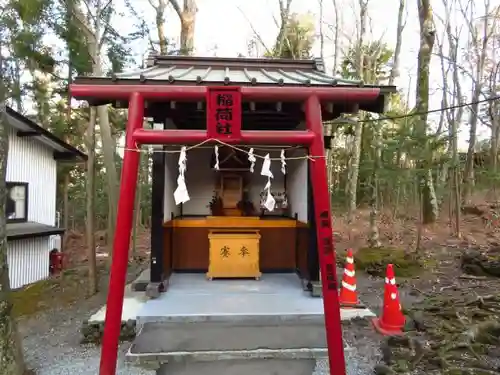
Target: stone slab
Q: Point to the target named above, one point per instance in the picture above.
(209, 336)
(274, 298)
(140, 284)
(241, 367)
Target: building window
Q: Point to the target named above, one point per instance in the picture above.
(16, 207)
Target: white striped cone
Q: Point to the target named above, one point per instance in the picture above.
(348, 293)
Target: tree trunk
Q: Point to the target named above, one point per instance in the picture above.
(454, 117)
(11, 352)
(321, 32)
(90, 192)
(336, 37)
(284, 16)
(66, 202)
(187, 17)
(160, 26)
(427, 37)
(469, 162)
(354, 170)
(66, 171)
(358, 128)
(494, 117)
(108, 148)
(374, 235)
(456, 178)
(137, 205)
(95, 39)
(480, 46)
(399, 41)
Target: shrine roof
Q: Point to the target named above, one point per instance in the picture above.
(188, 70)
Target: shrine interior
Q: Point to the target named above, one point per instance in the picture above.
(229, 201)
(241, 191)
(233, 197)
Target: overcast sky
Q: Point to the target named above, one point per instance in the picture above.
(224, 28)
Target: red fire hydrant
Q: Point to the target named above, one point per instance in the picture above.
(55, 262)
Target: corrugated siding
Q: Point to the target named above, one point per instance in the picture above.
(30, 161)
(28, 261)
(55, 242)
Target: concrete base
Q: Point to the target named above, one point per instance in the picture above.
(273, 299)
(316, 289)
(131, 305)
(271, 326)
(141, 283)
(241, 367)
(153, 290)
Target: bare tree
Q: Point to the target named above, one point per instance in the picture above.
(95, 26)
(399, 41)
(480, 33)
(453, 101)
(352, 184)
(160, 8)
(187, 17)
(321, 32)
(336, 36)
(90, 209)
(429, 202)
(493, 108)
(284, 8)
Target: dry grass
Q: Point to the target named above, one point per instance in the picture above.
(71, 285)
(55, 292)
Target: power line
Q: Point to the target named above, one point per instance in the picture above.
(414, 114)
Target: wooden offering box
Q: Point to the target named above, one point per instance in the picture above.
(234, 253)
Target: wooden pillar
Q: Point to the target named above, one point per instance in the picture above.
(312, 249)
(157, 218)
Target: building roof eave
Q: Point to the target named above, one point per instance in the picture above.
(28, 128)
(206, 71)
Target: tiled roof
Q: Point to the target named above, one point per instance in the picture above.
(241, 71)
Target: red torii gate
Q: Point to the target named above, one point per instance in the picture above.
(312, 138)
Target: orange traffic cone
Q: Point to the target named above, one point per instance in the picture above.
(392, 320)
(348, 295)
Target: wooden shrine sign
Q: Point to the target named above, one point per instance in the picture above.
(223, 112)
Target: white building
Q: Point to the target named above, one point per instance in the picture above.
(32, 228)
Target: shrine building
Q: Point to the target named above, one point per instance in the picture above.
(239, 185)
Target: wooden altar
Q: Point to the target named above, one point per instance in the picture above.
(233, 254)
(282, 244)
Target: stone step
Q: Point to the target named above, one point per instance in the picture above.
(242, 367)
(159, 343)
(232, 318)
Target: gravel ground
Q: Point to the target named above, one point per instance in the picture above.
(52, 344)
(57, 351)
(51, 340)
(65, 360)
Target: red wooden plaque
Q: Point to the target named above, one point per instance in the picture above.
(224, 112)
